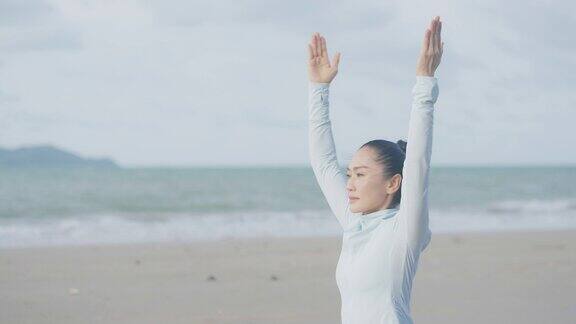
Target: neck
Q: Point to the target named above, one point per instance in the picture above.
(370, 212)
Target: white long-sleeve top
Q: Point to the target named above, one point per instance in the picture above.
(380, 250)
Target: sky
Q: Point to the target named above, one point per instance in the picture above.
(218, 83)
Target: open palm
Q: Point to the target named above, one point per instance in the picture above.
(319, 67)
(432, 48)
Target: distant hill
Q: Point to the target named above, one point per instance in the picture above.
(48, 156)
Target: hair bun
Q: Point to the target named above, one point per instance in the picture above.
(402, 144)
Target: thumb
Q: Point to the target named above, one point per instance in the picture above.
(336, 60)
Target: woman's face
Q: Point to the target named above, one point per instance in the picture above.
(368, 189)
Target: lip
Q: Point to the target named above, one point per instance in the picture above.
(353, 198)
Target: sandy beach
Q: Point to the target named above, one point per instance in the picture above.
(517, 277)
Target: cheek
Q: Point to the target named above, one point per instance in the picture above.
(364, 186)
(372, 188)
(361, 184)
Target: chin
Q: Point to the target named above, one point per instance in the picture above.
(355, 209)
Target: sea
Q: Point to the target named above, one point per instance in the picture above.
(59, 206)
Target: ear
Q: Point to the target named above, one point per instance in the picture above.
(394, 183)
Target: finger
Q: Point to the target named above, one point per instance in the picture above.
(425, 41)
(429, 33)
(438, 23)
(324, 50)
(439, 34)
(311, 45)
(336, 60)
(310, 52)
(318, 45)
(437, 37)
(432, 36)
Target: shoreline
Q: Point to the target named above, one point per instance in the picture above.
(233, 240)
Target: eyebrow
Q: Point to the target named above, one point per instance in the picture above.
(358, 167)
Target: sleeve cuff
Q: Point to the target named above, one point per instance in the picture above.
(426, 79)
(426, 89)
(318, 85)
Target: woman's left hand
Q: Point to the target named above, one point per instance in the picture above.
(432, 47)
(319, 67)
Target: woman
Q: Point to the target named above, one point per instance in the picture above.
(383, 205)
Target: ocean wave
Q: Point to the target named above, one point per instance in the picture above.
(532, 205)
(141, 228)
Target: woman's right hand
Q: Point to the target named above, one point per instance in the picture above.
(319, 67)
(432, 48)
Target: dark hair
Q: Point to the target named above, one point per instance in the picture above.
(391, 156)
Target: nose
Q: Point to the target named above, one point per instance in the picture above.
(349, 186)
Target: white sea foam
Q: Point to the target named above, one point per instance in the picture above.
(104, 229)
(533, 205)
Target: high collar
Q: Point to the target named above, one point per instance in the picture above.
(382, 214)
(370, 221)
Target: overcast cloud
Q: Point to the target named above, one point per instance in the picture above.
(218, 83)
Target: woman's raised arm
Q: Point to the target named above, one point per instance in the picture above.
(413, 220)
(322, 151)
